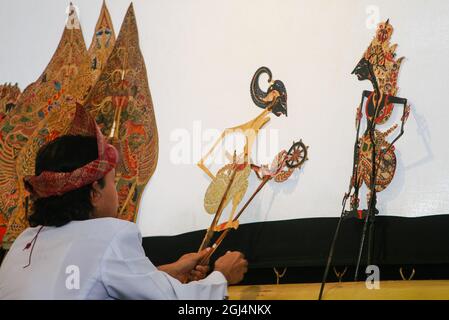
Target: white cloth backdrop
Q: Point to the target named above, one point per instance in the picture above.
(200, 57)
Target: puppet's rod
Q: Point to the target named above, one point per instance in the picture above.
(223, 235)
(210, 231)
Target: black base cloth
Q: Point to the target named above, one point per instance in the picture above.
(302, 245)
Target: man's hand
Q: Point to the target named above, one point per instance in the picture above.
(233, 266)
(187, 269)
(198, 273)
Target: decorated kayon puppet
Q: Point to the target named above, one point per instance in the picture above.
(115, 91)
(26, 121)
(100, 48)
(9, 94)
(380, 66)
(122, 106)
(230, 183)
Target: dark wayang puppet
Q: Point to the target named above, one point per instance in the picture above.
(380, 66)
(374, 162)
(230, 183)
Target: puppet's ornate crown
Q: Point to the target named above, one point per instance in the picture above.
(381, 56)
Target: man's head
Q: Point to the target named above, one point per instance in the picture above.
(95, 200)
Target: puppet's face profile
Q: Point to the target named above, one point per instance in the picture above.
(275, 98)
(280, 107)
(362, 70)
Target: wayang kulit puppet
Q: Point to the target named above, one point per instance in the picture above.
(9, 94)
(109, 80)
(374, 161)
(230, 183)
(122, 106)
(48, 93)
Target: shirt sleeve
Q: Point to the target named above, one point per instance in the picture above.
(128, 274)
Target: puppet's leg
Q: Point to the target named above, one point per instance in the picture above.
(230, 224)
(357, 183)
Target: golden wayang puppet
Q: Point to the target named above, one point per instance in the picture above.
(374, 159)
(230, 183)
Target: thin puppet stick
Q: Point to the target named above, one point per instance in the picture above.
(224, 234)
(211, 231)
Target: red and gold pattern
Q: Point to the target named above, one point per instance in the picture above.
(278, 169)
(9, 94)
(103, 42)
(38, 101)
(114, 89)
(385, 162)
(121, 102)
(382, 57)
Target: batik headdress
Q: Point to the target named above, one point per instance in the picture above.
(50, 183)
(381, 56)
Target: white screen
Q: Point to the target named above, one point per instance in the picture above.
(200, 57)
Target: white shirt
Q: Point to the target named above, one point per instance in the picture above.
(94, 259)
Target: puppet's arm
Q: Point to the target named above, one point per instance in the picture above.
(405, 113)
(206, 156)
